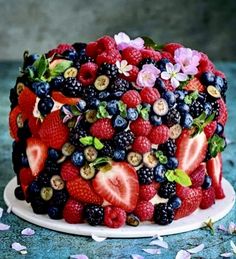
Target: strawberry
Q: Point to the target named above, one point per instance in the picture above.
(73, 212)
(214, 170)
(172, 47)
(27, 101)
(34, 125)
(69, 171)
(223, 113)
(36, 152)
(26, 176)
(53, 132)
(114, 217)
(194, 85)
(190, 197)
(102, 129)
(190, 151)
(208, 198)
(119, 185)
(83, 191)
(61, 98)
(14, 115)
(210, 129)
(198, 175)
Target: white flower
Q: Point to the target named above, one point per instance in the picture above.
(123, 67)
(172, 73)
(123, 41)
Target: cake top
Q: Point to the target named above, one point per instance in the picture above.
(143, 111)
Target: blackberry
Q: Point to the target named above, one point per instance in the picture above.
(52, 167)
(215, 108)
(147, 61)
(18, 152)
(59, 198)
(110, 70)
(19, 193)
(145, 175)
(202, 97)
(89, 92)
(167, 189)
(196, 108)
(72, 87)
(34, 190)
(94, 214)
(108, 149)
(84, 59)
(75, 134)
(168, 148)
(172, 117)
(119, 87)
(44, 179)
(13, 97)
(124, 139)
(39, 206)
(163, 214)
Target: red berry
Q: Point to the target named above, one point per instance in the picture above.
(210, 129)
(73, 212)
(34, 125)
(132, 55)
(102, 129)
(132, 74)
(198, 175)
(27, 101)
(69, 171)
(205, 65)
(131, 98)
(106, 43)
(60, 49)
(114, 217)
(172, 47)
(148, 53)
(141, 145)
(144, 210)
(208, 198)
(223, 113)
(159, 134)
(147, 192)
(91, 49)
(194, 85)
(13, 126)
(219, 73)
(140, 127)
(26, 176)
(109, 57)
(149, 95)
(87, 73)
(61, 98)
(167, 55)
(168, 85)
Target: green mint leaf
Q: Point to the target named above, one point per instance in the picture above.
(86, 140)
(148, 42)
(159, 153)
(139, 108)
(161, 157)
(60, 68)
(75, 111)
(179, 177)
(122, 108)
(145, 113)
(170, 175)
(216, 145)
(102, 112)
(188, 99)
(30, 72)
(200, 122)
(97, 144)
(41, 66)
(99, 161)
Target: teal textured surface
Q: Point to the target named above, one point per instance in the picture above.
(51, 244)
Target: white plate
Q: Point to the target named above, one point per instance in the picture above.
(194, 221)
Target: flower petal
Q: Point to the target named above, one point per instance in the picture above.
(182, 254)
(232, 228)
(79, 256)
(158, 237)
(233, 246)
(137, 43)
(4, 227)
(28, 232)
(17, 246)
(181, 77)
(160, 243)
(165, 75)
(118, 64)
(196, 249)
(226, 255)
(222, 228)
(169, 68)
(135, 256)
(121, 37)
(174, 82)
(177, 67)
(123, 63)
(1, 212)
(152, 251)
(97, 238)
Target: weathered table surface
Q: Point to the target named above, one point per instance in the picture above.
(49, 244)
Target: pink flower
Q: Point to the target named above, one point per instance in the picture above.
(123, 41)
(172, 73)
(188, 60)
(147, 76)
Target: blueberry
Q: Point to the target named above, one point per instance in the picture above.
(81, 105)
(219, 129)
(155, 120)
(183, 107)
(29, 60)
(112, 107)
(159, 173)
(70, 54)
(172, 162)
(207, 108)
(54, 154)
(161, 64)
(104, 95)
(93, 103)
(45, 105)
(54, 212)
(175, 201)
(207, 182)
(169, 97)
(34, 189)
(219, 83)
(77, 158)
(24, 161)
(132, 114)
(160, 86)
(120, 123)
(179, 95)
(57, 82)
(207, 78)
(19, 193)
(119, 155)
(186, 121)
(41, 89)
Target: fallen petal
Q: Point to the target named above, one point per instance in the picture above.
(4, 227)
(97, 238)
(158, 237)
(27, 232)
(222, 228)
(17, 246)
(134, 256)
(226, 254)
(152, 251)
(160, 243)
(23, 252)
(182, 254)
(81, 256)
(196, 249)
(232, 228)
(1, 212)
(233, 246)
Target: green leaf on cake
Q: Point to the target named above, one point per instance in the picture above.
(161, 157)
(88, 140)
(122, 108)
(178, 176)
(145, 112)
(188, 99)
(41, 65)
(60, 68)
(102, 112)
(97, 144)
(216, 145)
(201, 122)
(148, 42)
(99, 161)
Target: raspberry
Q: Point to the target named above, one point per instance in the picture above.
(91, 49)
(102, 129)
(168, 85)
(159, 134)
(73, 212)
(141, 145)
(148, 53)
(69, 171)
(172, 47)
(132, 55)
(132, 74)
(60, 49)
(109, 57)
(131, 98)
(149, 95)
(210, 129)
(114, 217)
(106, 43)
(223, 113)
(165, 54)
(147, 192)
(219, 73)
(205, 65)
(87, 73)
(140, 127)
(194, 85)
(208, 198)
(144, 210)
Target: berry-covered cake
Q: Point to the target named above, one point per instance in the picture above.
(118, 131)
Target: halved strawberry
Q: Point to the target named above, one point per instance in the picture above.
(83, 191)
(13, 117)
(119, 185)
(194, 85)
(198, 175)
(210, 129)
(36, 152)
(53, 132)
(190, 151)
(34, 125)
(27, 101)
(26, 176)
(223, 113)
(214, 170)
(61, 98)
(208, 198)
(191, 199)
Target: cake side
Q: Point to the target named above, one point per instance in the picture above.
(118, 131)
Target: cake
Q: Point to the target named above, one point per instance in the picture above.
(118, 131)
